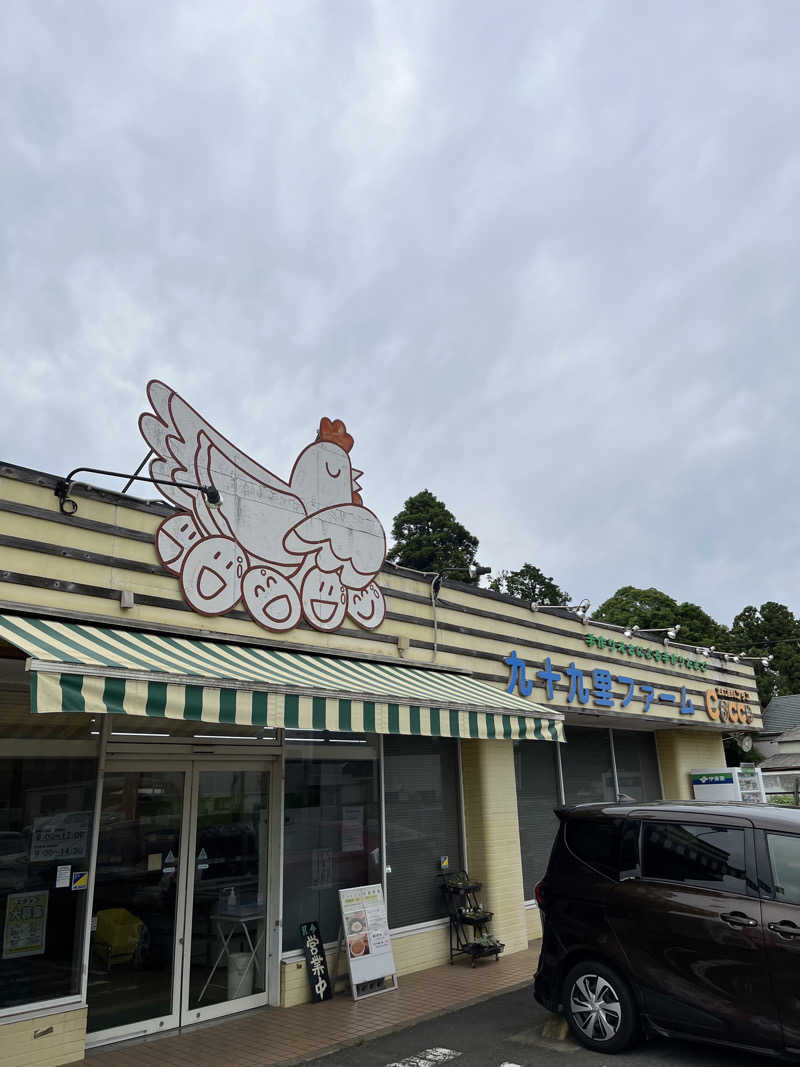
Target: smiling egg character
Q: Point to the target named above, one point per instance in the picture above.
(367, 606)
(324, 599)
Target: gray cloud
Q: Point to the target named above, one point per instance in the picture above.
(540, 258)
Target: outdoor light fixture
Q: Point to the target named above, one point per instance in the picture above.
(763, 660)
(670, 631)
(735, 657)
(630, 631)
(477, 571)
(581, 610)
(69, 506)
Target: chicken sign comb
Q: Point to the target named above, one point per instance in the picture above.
(336, 432)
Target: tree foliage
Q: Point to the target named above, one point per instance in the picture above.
(427, 537)
(771, 630)
(529, 583)
(651, 609)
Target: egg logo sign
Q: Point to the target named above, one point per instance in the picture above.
(306, 547)
(728, 705)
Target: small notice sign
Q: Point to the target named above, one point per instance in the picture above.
(316, 964)
(369, 943)
(60, 837)
(62, 876)
(80, 879)
(26, 924)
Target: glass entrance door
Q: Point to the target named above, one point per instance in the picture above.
(180, 921)
(225, 958)
(134, 983)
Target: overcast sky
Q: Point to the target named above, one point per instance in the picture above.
(542, 258)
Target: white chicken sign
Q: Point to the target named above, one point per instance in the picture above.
(306, 547)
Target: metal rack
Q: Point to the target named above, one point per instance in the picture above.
(469, 921)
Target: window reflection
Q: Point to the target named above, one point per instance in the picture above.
(422, 824)
(710, 857)
(331, 839)
(46, 808)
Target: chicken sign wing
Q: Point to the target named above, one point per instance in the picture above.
(302, 548)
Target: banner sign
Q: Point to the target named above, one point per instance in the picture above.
(316, 964)
(366, 934)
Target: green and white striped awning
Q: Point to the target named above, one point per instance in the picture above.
(81, 668)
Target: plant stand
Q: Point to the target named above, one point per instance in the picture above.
(469, 921)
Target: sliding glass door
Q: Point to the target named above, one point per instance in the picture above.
(181, 919)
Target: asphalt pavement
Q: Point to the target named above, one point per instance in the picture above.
(507, 1031)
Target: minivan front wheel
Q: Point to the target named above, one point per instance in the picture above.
(599, 1007)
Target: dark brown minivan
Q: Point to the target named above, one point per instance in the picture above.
(675, 919)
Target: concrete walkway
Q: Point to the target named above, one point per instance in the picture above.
(291, 1035)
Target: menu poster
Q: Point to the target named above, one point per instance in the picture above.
(26, 924)
(366, 933)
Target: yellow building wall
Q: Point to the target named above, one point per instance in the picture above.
(493, 849)
(533, 918)
(681, 751)
(58, 564)
(47, 1041)
(412, 952)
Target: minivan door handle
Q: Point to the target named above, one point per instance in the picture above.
(738, 918)
(786, 929)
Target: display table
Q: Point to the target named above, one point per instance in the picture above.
(231, 921)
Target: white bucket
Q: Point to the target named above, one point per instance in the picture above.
(240, 975)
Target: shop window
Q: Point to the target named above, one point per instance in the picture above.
(784, 855)
(637, 764)
(586, 762)
(537, 796)
(596, 842)
(423, 823)
(46, 808)
(331, 839)
(708, 857)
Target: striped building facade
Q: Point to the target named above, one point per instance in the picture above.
(289, 764)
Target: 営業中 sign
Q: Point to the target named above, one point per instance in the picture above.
(316, 964)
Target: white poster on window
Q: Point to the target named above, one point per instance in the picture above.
(60, 837)
(353, 829)
(322, 868)
(26, 924)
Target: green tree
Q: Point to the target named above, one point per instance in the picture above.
(771, 630)
(651, 609)
(427, 537)
(529, 583)
(646, 608)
